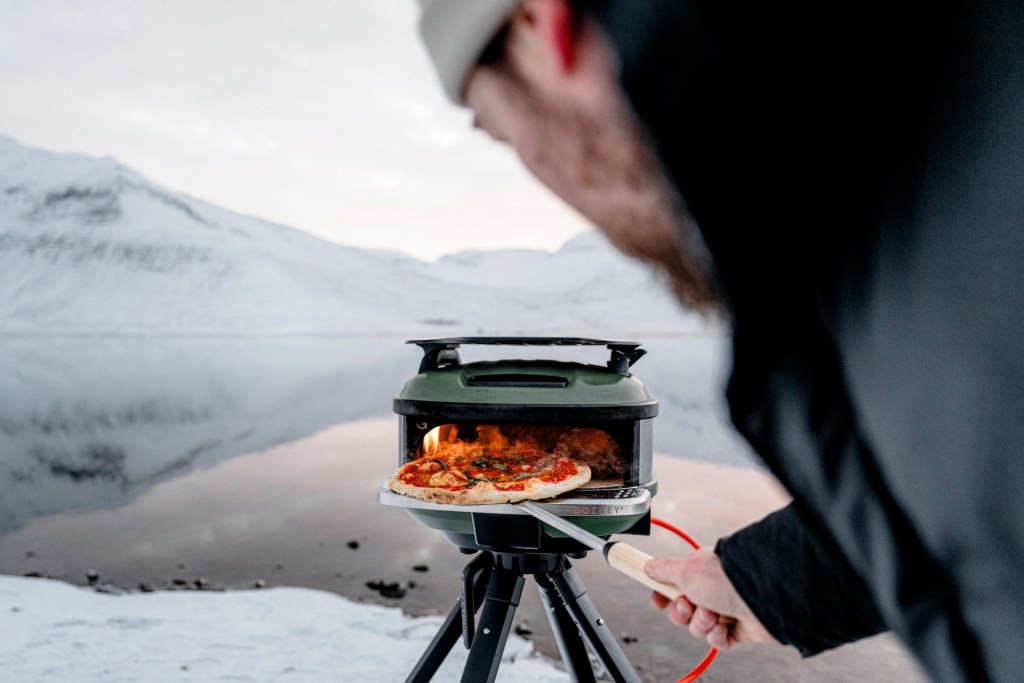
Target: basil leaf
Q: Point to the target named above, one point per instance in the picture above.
(490, 464)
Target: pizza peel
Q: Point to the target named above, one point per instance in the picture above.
(621, 556)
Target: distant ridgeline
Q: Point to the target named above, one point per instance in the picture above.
(88, 246)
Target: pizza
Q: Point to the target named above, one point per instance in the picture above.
(476, 478)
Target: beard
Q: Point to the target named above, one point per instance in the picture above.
(601, 163)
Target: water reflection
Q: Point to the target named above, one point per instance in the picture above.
(288, 510)
(90, 424)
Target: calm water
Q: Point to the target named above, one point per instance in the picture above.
(227, 463)
(93, 424)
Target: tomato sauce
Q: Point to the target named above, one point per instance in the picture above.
(510, 472)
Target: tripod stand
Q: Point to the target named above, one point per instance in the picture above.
(496, 579)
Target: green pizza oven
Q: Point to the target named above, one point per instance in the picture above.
(602, 411)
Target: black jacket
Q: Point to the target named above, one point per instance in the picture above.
(857, 172)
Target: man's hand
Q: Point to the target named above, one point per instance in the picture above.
(710, 605)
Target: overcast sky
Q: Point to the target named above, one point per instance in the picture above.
(321, 114)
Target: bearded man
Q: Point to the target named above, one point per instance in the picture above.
(846, 185)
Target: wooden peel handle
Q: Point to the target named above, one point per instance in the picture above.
(630, 561)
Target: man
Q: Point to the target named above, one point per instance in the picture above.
(857, 176)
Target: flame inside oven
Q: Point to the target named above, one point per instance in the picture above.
(593, 446)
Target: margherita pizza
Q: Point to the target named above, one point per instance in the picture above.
(479, 479)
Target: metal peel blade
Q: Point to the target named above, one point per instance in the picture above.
(621, 556)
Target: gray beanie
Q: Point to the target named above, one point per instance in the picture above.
(456, 32)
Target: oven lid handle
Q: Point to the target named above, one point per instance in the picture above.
(623, 357)
(437, 354)
(441, 352)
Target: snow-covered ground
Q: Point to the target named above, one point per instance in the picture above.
(51, 632)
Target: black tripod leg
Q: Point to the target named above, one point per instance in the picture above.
(503, 593)
(439, 647)
(602, 643)
(567, 635)
(433, 657)
(474, 578)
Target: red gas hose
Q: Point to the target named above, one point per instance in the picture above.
(713, 652)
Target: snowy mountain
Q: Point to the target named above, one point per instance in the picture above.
(88, 246)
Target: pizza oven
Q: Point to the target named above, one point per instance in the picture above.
(601, 414)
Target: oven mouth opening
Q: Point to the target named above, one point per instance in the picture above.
(485, 446)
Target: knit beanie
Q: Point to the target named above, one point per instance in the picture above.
(456, 32)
